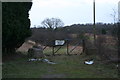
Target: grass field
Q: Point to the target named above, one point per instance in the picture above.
(63, 50)
(67, 67)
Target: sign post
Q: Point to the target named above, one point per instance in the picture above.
(53, 51)
(67, 48)
(57, 43)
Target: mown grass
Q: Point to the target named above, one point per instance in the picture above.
(67, 67)
(62, 50)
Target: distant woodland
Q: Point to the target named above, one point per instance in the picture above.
(75, 31)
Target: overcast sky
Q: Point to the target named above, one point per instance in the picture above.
(72, 11)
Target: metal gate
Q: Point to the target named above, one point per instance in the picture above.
(64, 47)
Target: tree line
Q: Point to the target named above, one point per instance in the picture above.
(44, 35)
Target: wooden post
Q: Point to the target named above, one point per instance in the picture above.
(83, 44)
(94, 27)
(53, 50)
(67, 48)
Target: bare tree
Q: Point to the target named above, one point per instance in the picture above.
(52, 23)
(114, 15)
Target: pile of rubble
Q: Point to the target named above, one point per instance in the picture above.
(36, 54)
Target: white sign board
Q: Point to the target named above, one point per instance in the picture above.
(59, 42)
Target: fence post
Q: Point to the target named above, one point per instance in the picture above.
(83, 44)
(53, 51)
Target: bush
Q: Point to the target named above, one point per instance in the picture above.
(106, 47)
